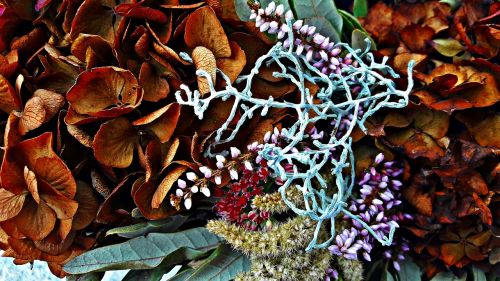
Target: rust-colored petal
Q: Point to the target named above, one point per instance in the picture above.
(52, 102)
(114, 143)
(451, 253)
(204, 29)
(155, 86)
(9, 99)
(87, 206)
(161, 122)
(11, 135)
(165, 185)
(36, 221)
(101, 47)
(33, 115)
(105, 92)
(142, 193)
(94, 17)
(64, 207)
(10, 204)
(204, 59)
(416, 37)
(55, 172)
(233, 65)
(31, 184)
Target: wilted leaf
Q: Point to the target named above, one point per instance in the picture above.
(105, 92)
(204, 29)
(96, 43)
(115, 142)
(415, 194)
(483, 127)
(33, 115)
(447, 47)
(87, 206)
(9, 99)
(94, 17)
(165, 185)
(416, 37)
(161, 122)
(155, 86)
(233, 65)
(52, 102)
(10, 204)
(204, 60)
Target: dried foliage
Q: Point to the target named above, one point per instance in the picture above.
(449, 133)
(96, 148)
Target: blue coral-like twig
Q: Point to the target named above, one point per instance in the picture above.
(374, 91)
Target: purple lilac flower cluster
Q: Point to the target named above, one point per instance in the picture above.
(376, 206)
(317, 49)
(331, 274)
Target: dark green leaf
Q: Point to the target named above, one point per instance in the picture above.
(387, 276)
(360, 8)
(409, 271)
(165, 225)
(478, 274)
(93, 276)
(224, 264)
(183, 275)
(306, 9)
(350, 22)
(142, 252)
(448, 276)
(242, 9)
(154, 274)
(358, 38)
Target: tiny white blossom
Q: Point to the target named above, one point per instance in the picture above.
(233, 174)
(234, 152)
(218, 180)
(205, 191)
(188, 203)
(181, 183)
(191, 176)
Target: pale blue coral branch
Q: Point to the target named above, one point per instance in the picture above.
(317, 204)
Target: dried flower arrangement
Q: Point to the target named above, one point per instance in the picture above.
(251, 140)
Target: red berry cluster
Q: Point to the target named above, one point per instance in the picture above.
(235, 204)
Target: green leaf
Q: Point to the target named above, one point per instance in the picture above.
(358, 40)
(448, 276)
(360, 8)
(224, 264)
(478, 274)
(169, 224)
(447, 47)
(387, 276)
(93, 276)
(324, 27)
(183, 275)
(142, 252)
(306, 9)
(242, 9)
(350, 24)
(409, 271)
(154, 274)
